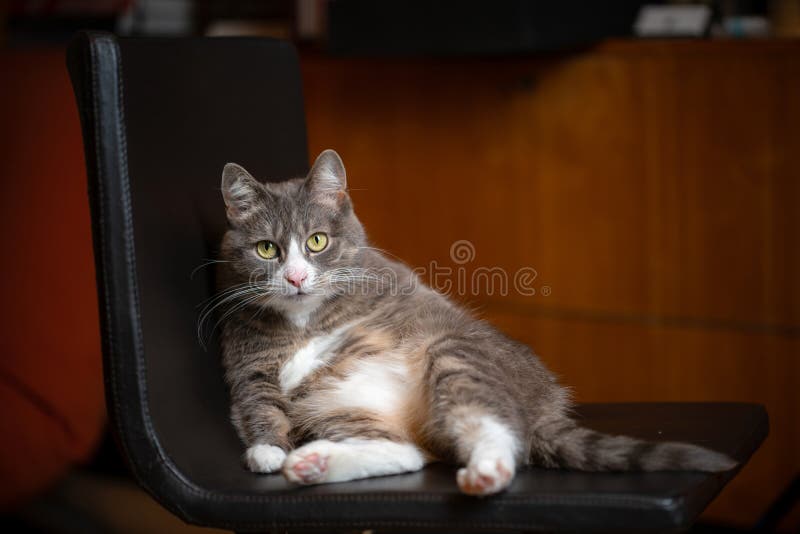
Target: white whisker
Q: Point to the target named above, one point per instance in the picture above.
(203, 265)
(383, 251)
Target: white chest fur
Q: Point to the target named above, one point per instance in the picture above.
(311, 356)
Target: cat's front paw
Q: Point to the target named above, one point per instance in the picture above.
(485, 476)
(308, 464)
(264, 458)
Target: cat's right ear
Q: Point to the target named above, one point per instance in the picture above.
(240, 192)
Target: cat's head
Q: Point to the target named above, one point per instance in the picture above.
(291, 240)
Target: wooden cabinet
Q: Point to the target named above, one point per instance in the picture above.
(653, 186)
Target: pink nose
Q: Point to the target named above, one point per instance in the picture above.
(296, 278)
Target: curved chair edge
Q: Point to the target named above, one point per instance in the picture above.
(95, 69)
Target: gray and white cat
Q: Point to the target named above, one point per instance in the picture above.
(338, 374)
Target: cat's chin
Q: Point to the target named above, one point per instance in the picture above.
(297, 308)
(297, 301)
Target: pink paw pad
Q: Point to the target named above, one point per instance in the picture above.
(484, 478)
(307, 469)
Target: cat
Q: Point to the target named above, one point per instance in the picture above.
(337, 373)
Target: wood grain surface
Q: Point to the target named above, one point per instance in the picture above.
(653, 187)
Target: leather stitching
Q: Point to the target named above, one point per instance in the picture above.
(101, 208)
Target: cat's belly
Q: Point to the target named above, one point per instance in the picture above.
(380, 384)
(356, 373)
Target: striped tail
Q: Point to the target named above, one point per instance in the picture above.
(567, 445)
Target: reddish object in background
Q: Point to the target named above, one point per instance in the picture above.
(51, 391)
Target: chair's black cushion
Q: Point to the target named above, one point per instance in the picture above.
(160, 119)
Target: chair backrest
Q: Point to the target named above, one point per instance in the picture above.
(160, 118)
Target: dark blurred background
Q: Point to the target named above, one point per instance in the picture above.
(643, 161)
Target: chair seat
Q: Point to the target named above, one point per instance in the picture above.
(538, 499)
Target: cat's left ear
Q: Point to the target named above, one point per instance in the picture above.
(327, 179)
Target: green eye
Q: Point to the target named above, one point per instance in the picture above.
(317, 242)
(267, 250)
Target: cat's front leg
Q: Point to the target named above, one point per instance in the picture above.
(263, 458)
(324, 461)
(267, 428)
(258, 414)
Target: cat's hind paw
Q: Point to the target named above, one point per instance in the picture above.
(484, 477)
(307, 465)
(264, 458)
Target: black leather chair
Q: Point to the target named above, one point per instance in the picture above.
(160, 118)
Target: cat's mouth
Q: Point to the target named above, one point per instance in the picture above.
(298, 294)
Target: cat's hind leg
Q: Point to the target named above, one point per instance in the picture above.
(348, 445)
(323, 461)
(472, 417)
(490, 451)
